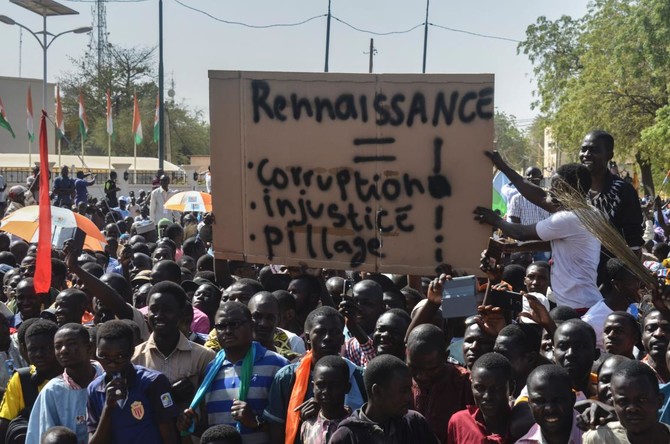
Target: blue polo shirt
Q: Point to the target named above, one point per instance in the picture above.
(148, 404)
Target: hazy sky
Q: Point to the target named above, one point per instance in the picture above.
(195, 43)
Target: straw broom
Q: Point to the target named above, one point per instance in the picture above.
(599, 225)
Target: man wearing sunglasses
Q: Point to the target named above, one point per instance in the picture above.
(242, 362)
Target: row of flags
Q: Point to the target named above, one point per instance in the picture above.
(83, 121)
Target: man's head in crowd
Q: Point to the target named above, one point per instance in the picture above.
(234, 327)
(655, 339)
(70, 306)
(514, 275)
(559, 315)
(520, 344)
(165, 181)
(162, 253)
(112, 247)
(10, 282)
(59, 435)
(661, 250)
(287, 307)
(27, 267)
(112, 230)
(492, 384)
(176, 234)
(194, 247)
(390, 330)
(39, 339)
(426, 355)
(19, 248)
(28, 302)
(412, 297)
(115, 347)
(636, 397)
(394, 299)
(622, 283)
(575, 350)
(73, 346)
(221, 434)
(335, 287)
(331, 384)
(369, 297)
(242, 290)
(388, 384)
(166, 270)
(165, 303)
(607, 369)
(569, 178)
(58, 274)
(324, 332)
(187, 262)
(139, 262)
(596, 151)
(621, 333)
(264, 310)
(306, 290)
(537, 277)
(207, 298)
(476, 342)
(141, 294)
(551, 400)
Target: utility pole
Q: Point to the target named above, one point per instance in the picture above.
(161, 108)
(325, 69)
(372, 53)
(425, 38)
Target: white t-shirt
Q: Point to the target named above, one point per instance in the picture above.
(595, 317)
(575, 253)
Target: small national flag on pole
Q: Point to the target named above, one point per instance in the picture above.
(157, 130)
(110, 123)
(60, 122)
(137, 122)
(29, 116)
(83, 121)
(4, 123)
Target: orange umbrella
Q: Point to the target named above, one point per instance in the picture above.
(24, 223)
(186, 201)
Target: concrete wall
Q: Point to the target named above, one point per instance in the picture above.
(13, 92)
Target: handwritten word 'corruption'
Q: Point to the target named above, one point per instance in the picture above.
(351, 185)
(394, 110)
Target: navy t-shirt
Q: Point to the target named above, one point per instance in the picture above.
(148, 404)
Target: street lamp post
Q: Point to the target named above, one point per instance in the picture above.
(45, 46)
(45, 8)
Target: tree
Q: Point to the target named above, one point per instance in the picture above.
(129, 71)
(608, 70)
(512, 142)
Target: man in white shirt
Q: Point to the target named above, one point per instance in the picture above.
(159, 196)
(575, 250)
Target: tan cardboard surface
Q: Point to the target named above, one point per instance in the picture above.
(351, 171)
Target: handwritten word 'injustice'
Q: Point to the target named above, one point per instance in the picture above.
(394, 110)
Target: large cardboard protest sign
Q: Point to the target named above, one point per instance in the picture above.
(347, 171)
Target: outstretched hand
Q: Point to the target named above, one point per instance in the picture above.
(435, 289)
(538, 313)
(496, 158)
(486, 216)
(490, 319)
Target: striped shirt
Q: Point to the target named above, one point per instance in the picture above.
(226, 387)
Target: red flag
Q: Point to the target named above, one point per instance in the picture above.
(42, 278)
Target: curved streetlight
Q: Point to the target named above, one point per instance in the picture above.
(44, 44)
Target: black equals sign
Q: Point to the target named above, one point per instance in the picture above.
(374, 141)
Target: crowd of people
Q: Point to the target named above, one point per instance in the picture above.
(153, 340)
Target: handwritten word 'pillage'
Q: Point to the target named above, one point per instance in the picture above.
(395, 110)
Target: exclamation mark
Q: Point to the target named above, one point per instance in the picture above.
(439, 213)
